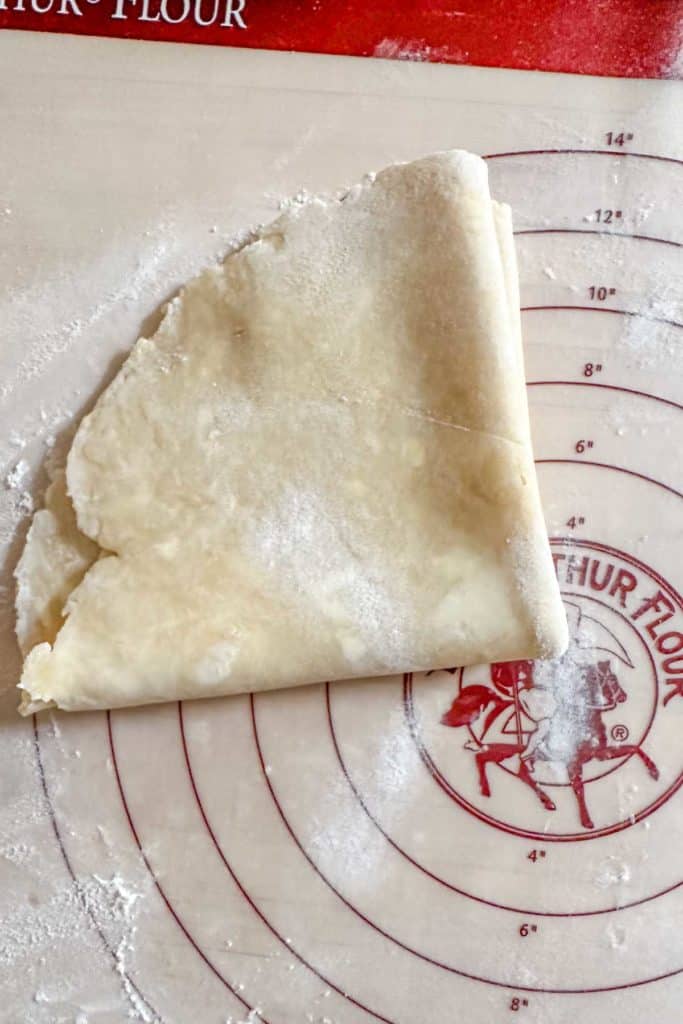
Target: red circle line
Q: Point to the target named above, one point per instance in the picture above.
(174, 914)
(589, 152)
(76, 881)
(243, 891)
(584, 152)
(454, 888)
(600, 309)
(594, 231)
(603, 387)
(617, 469)
(423, 956)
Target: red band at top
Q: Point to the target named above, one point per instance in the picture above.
(625, 38)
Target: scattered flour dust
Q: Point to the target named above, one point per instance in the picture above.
(611, 872)
(29, 313)
(16, 479)
(16, 476)
(64, 921)
(139, 272)
(72, 314)
(616, 937)
(675, 57)
(303, 538)
(348, 839)
(251, 1018)
(413, 49)
(40, 329)
(114, 904)
(649, 337)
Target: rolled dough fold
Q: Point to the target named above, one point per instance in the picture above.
(318, 468)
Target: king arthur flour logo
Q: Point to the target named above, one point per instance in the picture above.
(200, 13)
(582, 745)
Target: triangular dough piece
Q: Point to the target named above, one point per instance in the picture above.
(318, 468)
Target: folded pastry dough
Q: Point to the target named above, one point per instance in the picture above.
(318, 468)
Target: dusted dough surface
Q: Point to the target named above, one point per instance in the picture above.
(54, 560)
(319, 467)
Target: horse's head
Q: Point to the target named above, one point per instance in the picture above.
(604, 690)
(468, 705)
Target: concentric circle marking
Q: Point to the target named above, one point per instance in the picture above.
(604, 387)
(72, 874)
(603, 234)
(252, 904)
(415, 952)
(607, 465)
(522, 911)
(409, 949)
(601, 309)
(617, 154)
(171, 909)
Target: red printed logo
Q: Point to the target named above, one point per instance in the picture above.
(585, 744)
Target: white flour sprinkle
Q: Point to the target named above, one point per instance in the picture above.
(29, 313)
(303, 541)
(113, 897)
(16, 853)
(411, 49)
(139, 1009)
(39, 328)
(349, 840)
(563, 678)
(616, 936)
(251, 1018)
(28, 930)
(64, 919)
(675, 69)
(654, 342)
(611, 872)
(16, 477)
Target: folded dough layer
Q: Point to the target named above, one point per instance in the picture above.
(318, 468)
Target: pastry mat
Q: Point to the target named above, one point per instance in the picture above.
(337, 855)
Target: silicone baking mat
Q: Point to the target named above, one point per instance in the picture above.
(351, 853)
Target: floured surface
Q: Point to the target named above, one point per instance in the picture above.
(352, 831)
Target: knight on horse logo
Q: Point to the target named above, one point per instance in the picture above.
(580, 746)
(549, 712)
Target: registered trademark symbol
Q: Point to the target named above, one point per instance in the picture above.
(619, 733)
